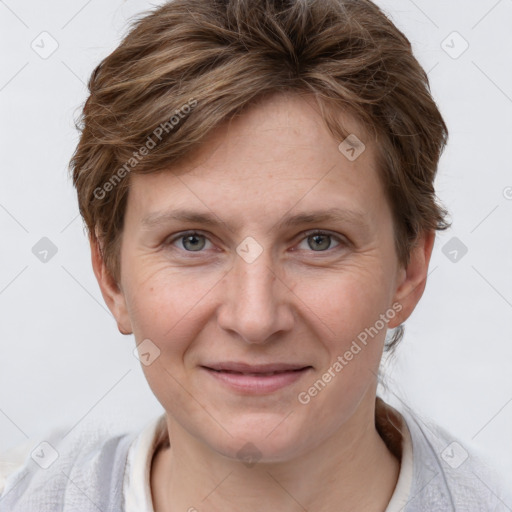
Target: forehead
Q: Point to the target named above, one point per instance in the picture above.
(275, 156)
(279, 129)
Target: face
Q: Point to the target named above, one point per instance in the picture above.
(256, 268)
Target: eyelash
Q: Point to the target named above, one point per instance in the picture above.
(305, 236)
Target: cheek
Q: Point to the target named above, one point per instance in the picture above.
(169, 308)
(163, 301)
(350, 304)
(343, 304)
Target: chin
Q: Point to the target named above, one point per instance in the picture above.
(263, 441)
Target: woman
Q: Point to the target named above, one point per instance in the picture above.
(257, 178)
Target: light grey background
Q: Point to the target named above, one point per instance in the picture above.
(61, 356)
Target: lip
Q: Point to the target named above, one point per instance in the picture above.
(256, 378)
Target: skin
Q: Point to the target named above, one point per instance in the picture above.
(294, 304)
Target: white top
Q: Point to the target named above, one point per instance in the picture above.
(402, 492)
(137, 489)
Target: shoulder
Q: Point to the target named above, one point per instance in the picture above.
(13, 459)
(68, 470)
(447, 475)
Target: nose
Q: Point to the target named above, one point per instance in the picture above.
(257, 303)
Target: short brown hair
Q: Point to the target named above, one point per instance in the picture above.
(221, 56)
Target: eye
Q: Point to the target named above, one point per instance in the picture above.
(320, 241)
(190, 242)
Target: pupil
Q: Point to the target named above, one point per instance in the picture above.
(321, 242)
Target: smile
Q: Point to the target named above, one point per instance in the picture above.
(256, 379)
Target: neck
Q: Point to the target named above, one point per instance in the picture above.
(352, 470)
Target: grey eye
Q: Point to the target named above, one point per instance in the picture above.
(319, 242)
(193, 242)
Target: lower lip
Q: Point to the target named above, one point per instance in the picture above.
(258, 384)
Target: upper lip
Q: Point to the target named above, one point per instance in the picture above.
(254, 368)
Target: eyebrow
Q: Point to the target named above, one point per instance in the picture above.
(355, 217)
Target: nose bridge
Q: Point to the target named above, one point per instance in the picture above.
(255, 307)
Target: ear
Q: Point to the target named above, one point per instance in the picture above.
(112, 293)
(413, 278)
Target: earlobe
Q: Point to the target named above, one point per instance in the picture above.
(110, 290)
(412, 279)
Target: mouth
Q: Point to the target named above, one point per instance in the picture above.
(256, 379)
